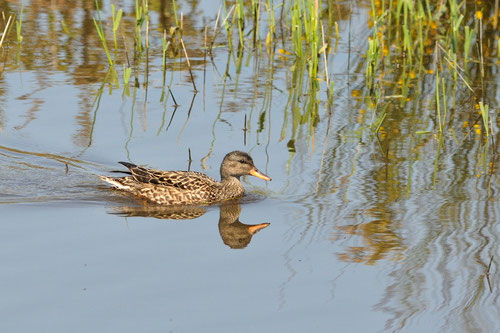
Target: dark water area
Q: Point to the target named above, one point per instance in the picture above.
(356, 232)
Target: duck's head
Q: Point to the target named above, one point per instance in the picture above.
(237, 164)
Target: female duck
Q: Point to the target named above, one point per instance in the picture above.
(188, 187)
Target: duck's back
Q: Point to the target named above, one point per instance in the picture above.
(183, 180)
(175, 187)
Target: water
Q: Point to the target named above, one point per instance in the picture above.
(362, 237)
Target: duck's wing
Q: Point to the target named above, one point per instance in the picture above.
(183, 180)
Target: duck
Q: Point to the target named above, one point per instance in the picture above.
(187, 187)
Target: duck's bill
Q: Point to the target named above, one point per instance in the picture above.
(254, 228)
(258, 174)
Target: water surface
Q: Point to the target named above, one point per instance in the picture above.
(397, 231)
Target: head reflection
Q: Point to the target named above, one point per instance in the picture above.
(234, 233)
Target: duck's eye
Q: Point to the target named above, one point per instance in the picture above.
(243, 161)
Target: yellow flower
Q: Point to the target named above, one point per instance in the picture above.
(356, 93)
(479, 15)
(283, 51)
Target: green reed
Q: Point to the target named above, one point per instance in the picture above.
(413, 44)
(485, 116)
(127, 71)
(164, 48)
(469, 35)
(302, 31)
(255, 10)
(141, 18)
(372, 62)
(271, 33)
(228, 26)
(445, 99)
(239, 17)
(297, 30)
(174, 9)
(455, 20)
(19, 25)
(100, 32)
(438, 101)
(418, 29)
(116, 18)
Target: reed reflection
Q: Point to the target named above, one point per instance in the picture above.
(233, 232)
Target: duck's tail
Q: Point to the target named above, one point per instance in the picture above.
(119, 183)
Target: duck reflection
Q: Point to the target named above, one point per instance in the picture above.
(160, 212)
(234, 234)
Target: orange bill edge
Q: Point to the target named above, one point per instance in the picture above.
(258, 174)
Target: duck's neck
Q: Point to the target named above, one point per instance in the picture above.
(229, 213)
(231, 186)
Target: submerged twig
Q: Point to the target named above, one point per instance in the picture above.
(245, 129)
(171, 94)
(187, 118)
(171, 117)
(189, 159)
(488, 274)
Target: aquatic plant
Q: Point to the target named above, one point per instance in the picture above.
(100, 32)
(116, 17)
(19, 25)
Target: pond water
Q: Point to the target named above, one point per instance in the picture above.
(353, 234)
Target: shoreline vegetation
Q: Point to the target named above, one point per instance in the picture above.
(430, 65)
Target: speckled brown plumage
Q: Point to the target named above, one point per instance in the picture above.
(188, 187)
